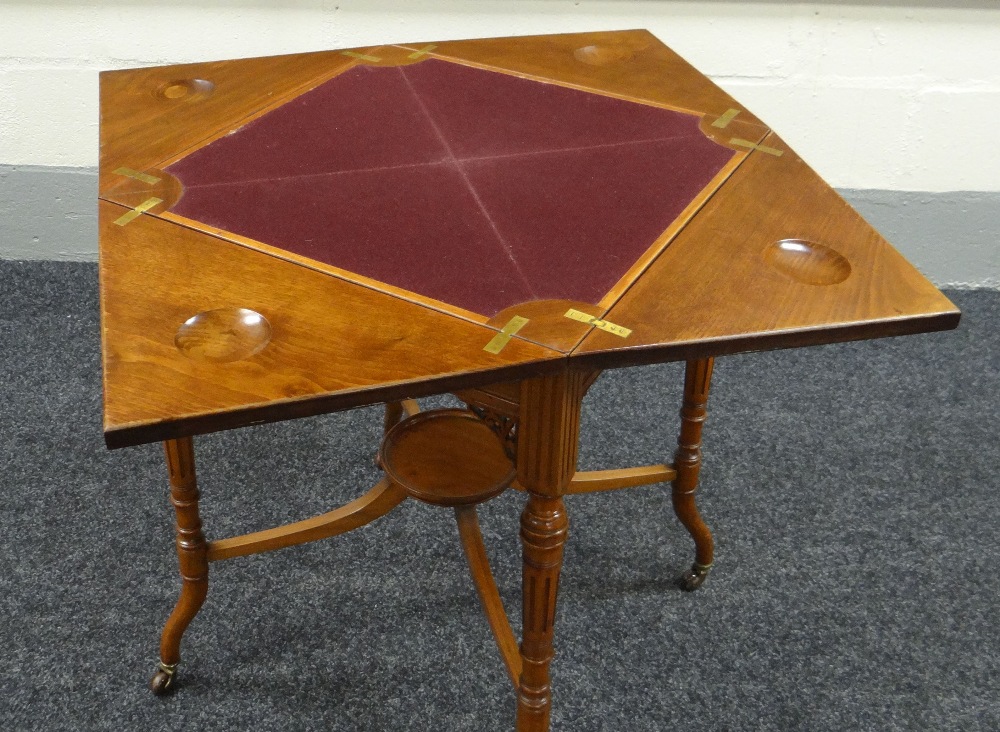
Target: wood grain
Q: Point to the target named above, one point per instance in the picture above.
(326, 351)
(486, 587)
(502, 398)
(715, 290)
(142, 126)
(307, 262)
(548, 430)
(374, 504)
(141, 130)
(547, 322)
(592, 481)
(191, 547)
(664, 240)
(547, 448)
(544, 527)
(687, 461)
(213, 109)
(447, 457)
(633, 64)
(767, 256)
(131, 192)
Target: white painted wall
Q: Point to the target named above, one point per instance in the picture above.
(894, 95)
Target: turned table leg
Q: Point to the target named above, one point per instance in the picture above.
(547, 436)
(687, 462)
(393, 414)
(192, 553)
(544, 528)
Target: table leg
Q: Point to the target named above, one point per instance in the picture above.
(687, 462)
(547, 437)
(192, 554)
(393, 414)
(543, 534)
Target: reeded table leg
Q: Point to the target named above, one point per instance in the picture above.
(192, 553)
(544, 527)
(547, 437)
(687, 462)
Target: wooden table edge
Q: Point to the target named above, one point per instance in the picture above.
(138, 433)
(757, 342)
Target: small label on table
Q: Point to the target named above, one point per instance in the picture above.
(618, 330)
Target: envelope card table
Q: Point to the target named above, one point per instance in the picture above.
(502, 219)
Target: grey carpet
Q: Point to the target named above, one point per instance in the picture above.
(852, 489)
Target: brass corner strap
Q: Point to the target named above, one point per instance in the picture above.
(723, 121)
(422, 51)
(502, 338)
(144, 177)
(754, 146)
(360, 56)
(138, 210)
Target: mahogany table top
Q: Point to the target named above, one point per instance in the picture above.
(292, 235)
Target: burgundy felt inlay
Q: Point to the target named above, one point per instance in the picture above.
(415, 228)
(473, 187)
(365, 118)
(576, 221)
(488, 113)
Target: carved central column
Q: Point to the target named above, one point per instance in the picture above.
(547, 444)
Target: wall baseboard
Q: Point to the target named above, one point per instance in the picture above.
(953, 238)
(50, 213)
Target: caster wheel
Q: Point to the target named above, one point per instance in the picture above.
(694, 578)
(163, 680)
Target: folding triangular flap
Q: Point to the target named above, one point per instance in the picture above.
(364, 118)
(486, 113)
(776, 258)
(577, 221)
(150, 115)
(201, 334)
(629, 63)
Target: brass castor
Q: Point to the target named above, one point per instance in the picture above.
(163, 680)
(694, 577)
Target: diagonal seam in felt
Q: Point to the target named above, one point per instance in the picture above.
(447, 161)
(475, 194)
(305, 176)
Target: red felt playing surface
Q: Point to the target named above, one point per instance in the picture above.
(473, 187)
